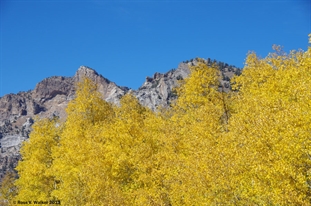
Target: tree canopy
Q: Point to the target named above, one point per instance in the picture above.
(250, 146)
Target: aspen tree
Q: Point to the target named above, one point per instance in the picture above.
(198, 142)
(36, 180)
(270, 129)
(79, 155)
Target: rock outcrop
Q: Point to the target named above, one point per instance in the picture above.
(158, 90)
(51, 96)
(110, 91)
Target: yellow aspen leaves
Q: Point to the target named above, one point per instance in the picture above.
(36, 180)
(251, 146)
(271, 129)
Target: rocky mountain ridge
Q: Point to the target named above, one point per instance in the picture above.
(51, 96)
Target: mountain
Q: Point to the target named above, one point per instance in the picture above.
(51, 96)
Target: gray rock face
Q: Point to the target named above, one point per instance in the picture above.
(158, 90)
(52, 95)
(51, 87)
(11, 141)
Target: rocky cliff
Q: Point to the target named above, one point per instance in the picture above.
(51, 96)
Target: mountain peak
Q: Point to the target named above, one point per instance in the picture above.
(85, 71)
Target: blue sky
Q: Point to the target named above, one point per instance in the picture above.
(126, 41)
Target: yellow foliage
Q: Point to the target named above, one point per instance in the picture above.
(247, 147)
(270, 127)
(36, 181)
(79, 158)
